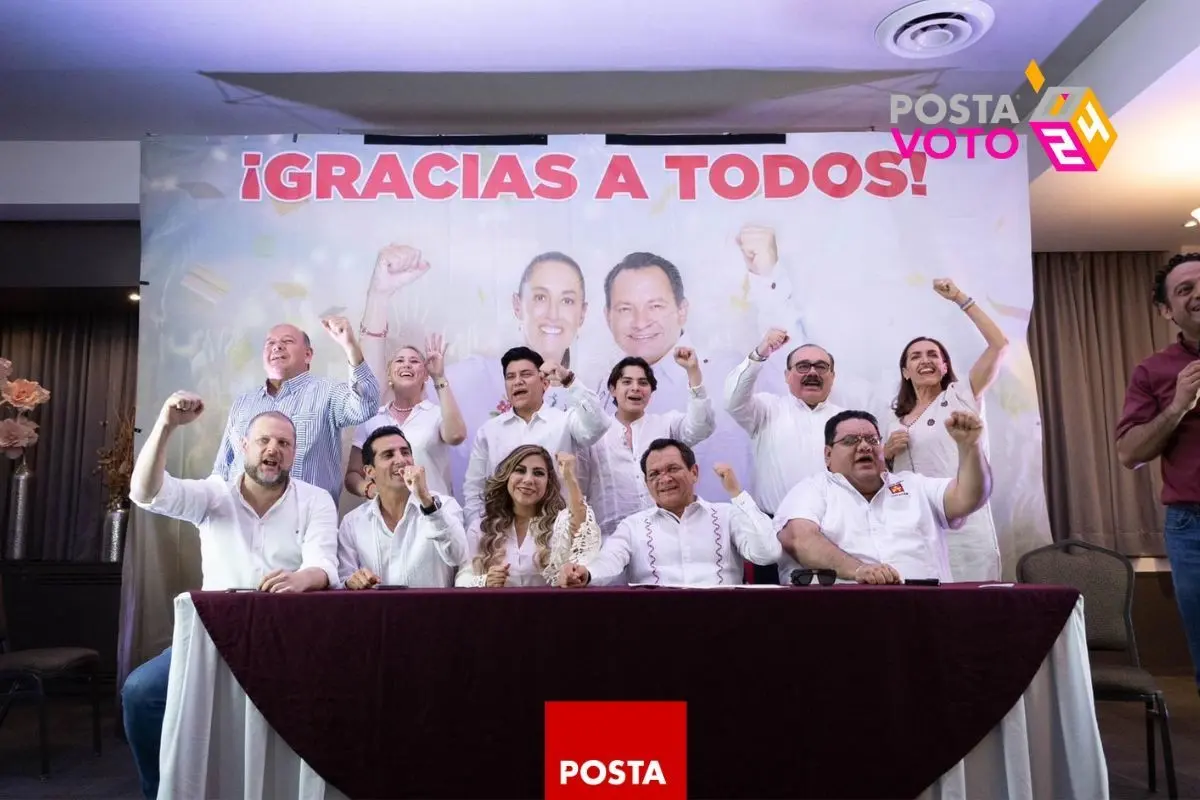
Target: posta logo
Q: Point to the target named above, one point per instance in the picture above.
(616, 750)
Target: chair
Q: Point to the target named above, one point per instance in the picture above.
(1105, 579)
(26, 672)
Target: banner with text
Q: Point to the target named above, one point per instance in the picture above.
(836, 238)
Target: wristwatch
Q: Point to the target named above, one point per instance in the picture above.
(427, 510)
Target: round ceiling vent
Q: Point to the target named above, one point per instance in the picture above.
(935, 28)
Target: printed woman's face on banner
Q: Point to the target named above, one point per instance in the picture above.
(550, 308)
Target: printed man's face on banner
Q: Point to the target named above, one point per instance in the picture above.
(644, 317)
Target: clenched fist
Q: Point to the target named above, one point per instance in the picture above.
(397, 265)
(947, 289)
(181, 408)
(496, 576)
(729, 479)
(686, 358)
(775, 339)
(758, 248)
(566, 463)
(876, 574)
(896, 444)
(362, 579)
(556, 374)
(964, 427)
(414, 479)
(339, 330)
(573, 576)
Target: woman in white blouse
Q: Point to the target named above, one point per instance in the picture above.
(918, 440)
(527, 531)
(432, 429)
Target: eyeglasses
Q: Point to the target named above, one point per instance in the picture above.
(803, 577)
(853, 440)
(819, 367)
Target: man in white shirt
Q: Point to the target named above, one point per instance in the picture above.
(616, 485)
(875, 526)
(683, 540)
(529, 421)
(262, 530)
(406, 535)
(647, 311)
(787, 432)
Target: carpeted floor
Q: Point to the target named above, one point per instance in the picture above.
(76, 774)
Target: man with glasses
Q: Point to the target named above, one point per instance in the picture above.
(875, 526)
(786, 432)
(682, 540)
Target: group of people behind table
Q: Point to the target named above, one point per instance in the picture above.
(567, 494)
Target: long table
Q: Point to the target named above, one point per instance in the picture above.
(939, 692)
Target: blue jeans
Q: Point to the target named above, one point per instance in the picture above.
(144, 702)
(1183, 548)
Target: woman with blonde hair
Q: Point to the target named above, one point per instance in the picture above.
(432, 429)
(527, 531)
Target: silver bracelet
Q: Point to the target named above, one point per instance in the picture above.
(964, 305)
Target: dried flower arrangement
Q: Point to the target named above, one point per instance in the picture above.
(116, 462)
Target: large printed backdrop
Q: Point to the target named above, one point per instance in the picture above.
(243, 233)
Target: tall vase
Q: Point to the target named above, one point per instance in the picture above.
(20, 500)
(116, 521)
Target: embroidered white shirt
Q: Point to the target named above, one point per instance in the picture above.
(573, 431)
(616, 486)
(708, 546)
(424, 550)
(238, 548)
(787, 436)
(903, 525)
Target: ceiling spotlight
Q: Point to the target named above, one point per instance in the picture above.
(1191, 223)
(134, 296)
(1196, 213)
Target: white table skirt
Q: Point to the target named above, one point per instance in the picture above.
(216, 745)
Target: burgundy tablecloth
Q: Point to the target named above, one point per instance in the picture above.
(439, 694)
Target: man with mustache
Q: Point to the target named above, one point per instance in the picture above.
(406, 535)
(786, 432)
(616, 485)
(682, 540)
(873, 526)
(529, 421)
(1161, 420)
(263, 530)
(320, 408)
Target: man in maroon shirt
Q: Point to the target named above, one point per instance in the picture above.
(1161, 420)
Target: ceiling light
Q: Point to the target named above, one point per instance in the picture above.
(935, 28)
(1196, 213)
(1191, 223)
(134, 296)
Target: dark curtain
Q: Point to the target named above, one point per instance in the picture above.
(87, 359)
(1092, 323)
